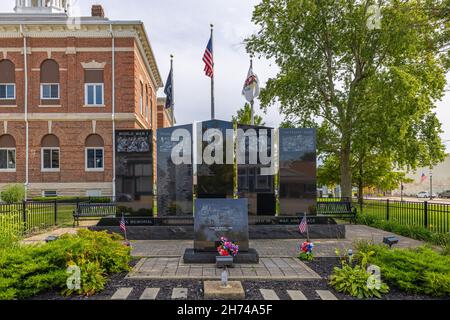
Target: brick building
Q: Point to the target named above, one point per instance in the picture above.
(66, 85)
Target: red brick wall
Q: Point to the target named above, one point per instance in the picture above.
(72, 134)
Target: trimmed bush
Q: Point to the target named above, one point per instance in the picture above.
(419, 271)
(26, 271)
(13, 193)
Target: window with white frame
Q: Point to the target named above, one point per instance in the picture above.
(50, 153)
(94, 159)
(7, 91)
(94, 94)
(7, 159)
(50, 80)
(7, 153)
(50, 159)
(94, 153)
(50, 193)
(94, 87)
(7, 80)
(141, 100)
(49, 91)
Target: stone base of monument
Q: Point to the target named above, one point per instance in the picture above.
(204, 257)
(233, 291)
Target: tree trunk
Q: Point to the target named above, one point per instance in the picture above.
(360, 183)
(346, 173)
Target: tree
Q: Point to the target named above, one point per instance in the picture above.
(378, 173)
(367, 90)
(244, 116)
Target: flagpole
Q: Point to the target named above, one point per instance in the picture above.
(307, 228)
(213, 115)
(173, 87)
(252, 103)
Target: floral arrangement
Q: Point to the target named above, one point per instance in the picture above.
(227, 248)
(306, 251)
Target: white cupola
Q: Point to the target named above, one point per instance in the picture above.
(42, 6)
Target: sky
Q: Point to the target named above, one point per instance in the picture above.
(182, 28)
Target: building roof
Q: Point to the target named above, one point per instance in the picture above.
(61, 25)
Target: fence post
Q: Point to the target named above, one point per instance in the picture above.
(387, 210)
(24, 215)
(425, 213)
(56, 212)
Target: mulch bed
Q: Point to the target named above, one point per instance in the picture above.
(323, 266)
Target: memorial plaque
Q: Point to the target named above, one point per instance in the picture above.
(298, 173)
(134, 169)
(216, 218)
(257, 188)
(215, 180)
(174, 181)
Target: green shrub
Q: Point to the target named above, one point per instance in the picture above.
(419, 271)
(11, 229)
(29, 270)
(356, 280)
(13, 193)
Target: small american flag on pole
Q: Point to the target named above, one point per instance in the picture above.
(209, 60)
(303, 225)
(123, 226)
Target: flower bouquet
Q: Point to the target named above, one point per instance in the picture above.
(306, 253)
(227, 248)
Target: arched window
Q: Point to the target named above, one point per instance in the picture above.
(7, 80)
(7, 153)
(50, 80)
(94, 153)
(50, 153)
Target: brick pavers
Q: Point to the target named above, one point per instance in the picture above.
(267, 269)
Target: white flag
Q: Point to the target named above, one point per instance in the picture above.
(251, 86)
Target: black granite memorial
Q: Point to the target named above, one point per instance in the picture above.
(174, 181)
(259, 189)
(215, 180)
(216, 218)
(134, 170)
(297, 171)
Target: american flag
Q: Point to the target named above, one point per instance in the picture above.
(123, 227)
(303, 225)
(423, 178)
(208, 59)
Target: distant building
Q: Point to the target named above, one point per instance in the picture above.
(165, 116)
(439, 175)
(65, 87)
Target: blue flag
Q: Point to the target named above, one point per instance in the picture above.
(168, 90)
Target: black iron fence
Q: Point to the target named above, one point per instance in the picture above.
(28, 217)
(432, 215)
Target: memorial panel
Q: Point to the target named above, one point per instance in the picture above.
(297, 169)
(216, 218)
(257, 188)
(215, 180)
(174, 181)
(134, 170)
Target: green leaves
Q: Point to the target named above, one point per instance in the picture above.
(420, 271)
(354, 281)
(371, 92)
(26, 271)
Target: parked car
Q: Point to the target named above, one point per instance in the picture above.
(445, 194)
(423, 195)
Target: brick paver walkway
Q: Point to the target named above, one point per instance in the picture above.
(268, 269)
